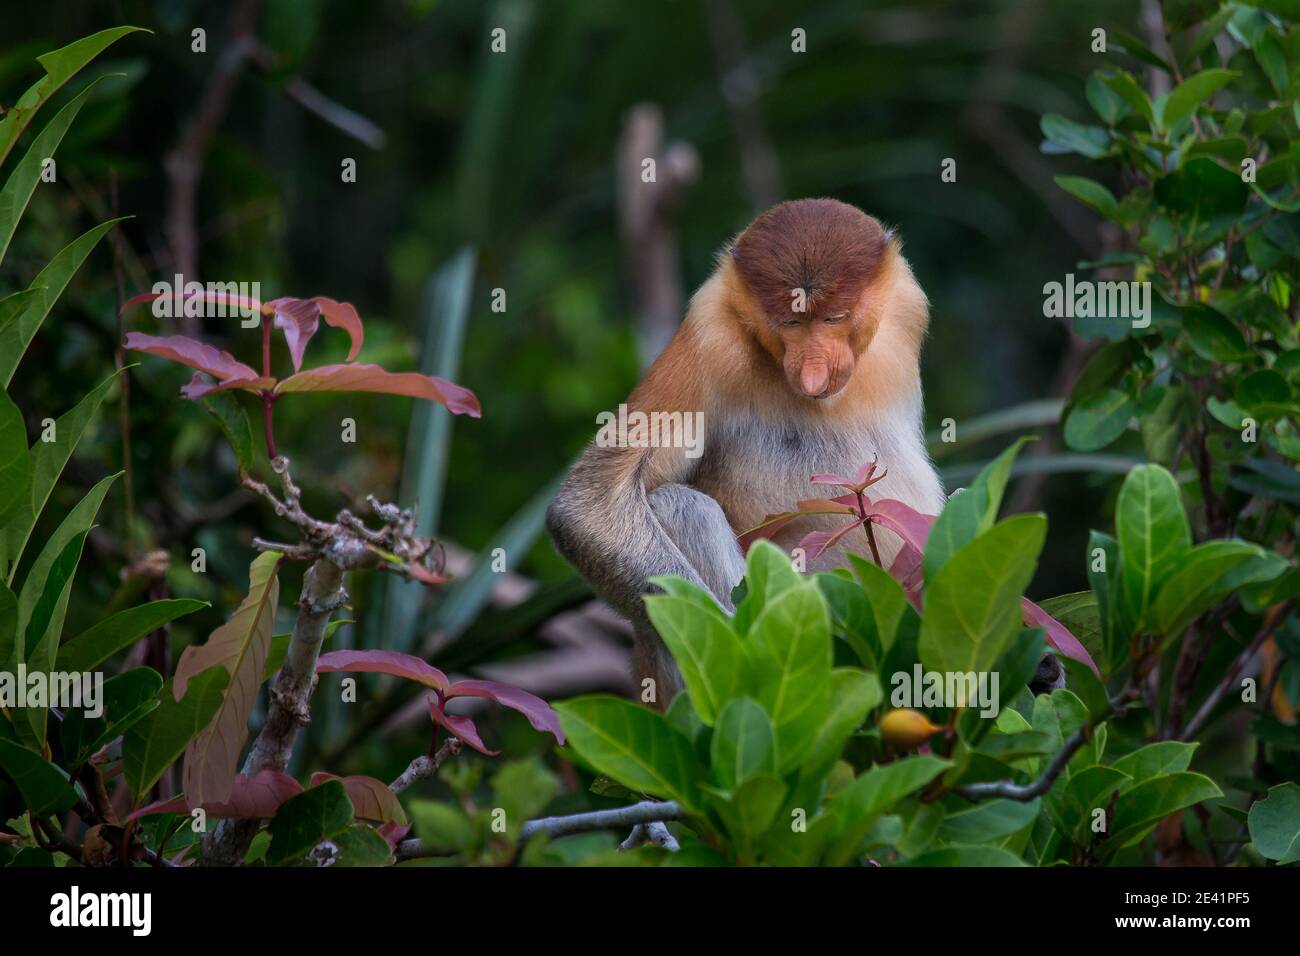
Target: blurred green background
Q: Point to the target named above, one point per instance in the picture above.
(515, 157)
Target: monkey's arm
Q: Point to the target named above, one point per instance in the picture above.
(608, 518)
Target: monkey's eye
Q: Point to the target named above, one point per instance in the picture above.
(791, 324)
(832, 319)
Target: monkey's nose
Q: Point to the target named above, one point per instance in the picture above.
(814, 380)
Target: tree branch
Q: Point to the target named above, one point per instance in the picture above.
(1024, 792)
(425, 765)
(645, 812)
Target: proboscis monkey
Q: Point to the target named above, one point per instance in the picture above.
(801, 352)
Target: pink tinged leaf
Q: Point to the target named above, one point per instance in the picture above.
(384, 662)
(767, 529)
(231, 302)
(905, 521)
(371, 798)
(200, 355)
(461, 727)
(341, 315)
(199, 386)
(394, 833)
(907, 570)
(538, 711)
(299, 319)
(816, 542)
(256, 797)
(425, 576)
(240, 646)
(830, 478)
(1058, 635)
(372, 378)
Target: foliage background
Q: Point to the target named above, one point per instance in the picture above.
(515, 156)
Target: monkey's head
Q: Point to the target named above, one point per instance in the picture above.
(809, 265)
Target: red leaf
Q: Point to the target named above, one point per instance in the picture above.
(538, 711)
(905, 521)
(394, 833)
(198, 386)
(461, 727)
(200, 355)
(843, 505)
(341, 315)
(217, 298)
(253, 797)
(1058, 635)
(372, 378)
(907, 570)
(299, 318)
(816, 542)
(371, 798)
(383, 662)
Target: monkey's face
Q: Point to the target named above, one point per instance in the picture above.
(818, 352)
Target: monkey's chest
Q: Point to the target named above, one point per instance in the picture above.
(758, 470)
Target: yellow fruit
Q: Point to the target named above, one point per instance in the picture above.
(905, 729)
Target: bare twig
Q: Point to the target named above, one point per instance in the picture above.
(1275, 618)
(184, 164)
(1024, 792)
(655, 832)
(646, 222)
(647, 811)
(425, 765)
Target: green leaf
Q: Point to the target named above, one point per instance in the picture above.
(1153, 534)
(744, 745)
(853, 694)
(969, 513)
(318, 813)
(233, 421)
(972, 607)
(1203, 189)
(1275, 824)
(15, 467)
(1098, 420)
(127, 698)
(20, 185)
(1107, 103)
(957, 855)
(442, 827)
(886, 596)
(1129, 90)
(635, 746)
(40, 296)
(1207, 574)
(1189, 94)
(1213, 336)
(988, 821)
(1074, 800)
(156, 742)
(1264, 387)
(855, 808)
(1143, 806)
(1090, 193)
(707, 651)
(97, 644)
(360, 845)
(60, 66)
(768, 572)
(1090, 141)
(790, 655)
(1105, 571)
(748, 811)
(1155, 760)
(44, 787)
(47, 460)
